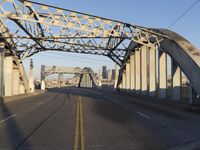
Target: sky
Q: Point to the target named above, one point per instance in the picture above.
(148, 13)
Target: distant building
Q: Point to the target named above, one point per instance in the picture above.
(113, 74)
(104, 72)
(109, 75)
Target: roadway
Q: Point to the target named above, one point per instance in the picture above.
(86, 119)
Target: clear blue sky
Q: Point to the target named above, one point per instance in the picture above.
(149, 13)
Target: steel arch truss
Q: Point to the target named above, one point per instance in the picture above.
(35, 27)
(47, 71)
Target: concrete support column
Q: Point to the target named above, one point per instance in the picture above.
(31, 78)
(60, 79)
(16, 81)
(84, 80)
(128, 81)
(43, 87)
(116, 75)
(21, 88)
(88, 80)
(152, 71)
(162, 90)
(8, 75)
(194, 97)
(132, 70)
(1, 72)
(176, 81)
(100, 79)
(120, 86)
(137, 72)
(144, 70)
(124, 80)
(91, 84)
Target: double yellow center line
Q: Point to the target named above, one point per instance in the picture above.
(79, 139)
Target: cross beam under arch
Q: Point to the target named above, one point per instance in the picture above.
(35, 27)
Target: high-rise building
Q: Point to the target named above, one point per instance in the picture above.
(104, 72)
(113, 74)
(109, 74)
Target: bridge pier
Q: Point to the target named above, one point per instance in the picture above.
(144, 69)
(132, 71)
(31, 78)
(152, 72)
(43, 87)
(137, 71)
(21, 88)
(88, 81)
(162, 73)
(124, 80)
(116, 75)
(194, 98)
(100, 79)
(16, 81)
(176, 81)
(1, 71)
(8, 75)
(128, 83)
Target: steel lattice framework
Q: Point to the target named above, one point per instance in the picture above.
(31, 27)
(47, 71)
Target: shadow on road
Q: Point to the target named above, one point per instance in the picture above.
(12, 135)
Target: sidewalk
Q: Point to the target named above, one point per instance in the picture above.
(140, 99)
(22, 96)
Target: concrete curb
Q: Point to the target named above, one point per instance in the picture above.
(20, 97)
(154, 100)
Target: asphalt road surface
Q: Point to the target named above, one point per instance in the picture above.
(87, 119)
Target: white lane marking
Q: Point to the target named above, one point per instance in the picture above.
(4, 120)
(41, 103)
(143, 115)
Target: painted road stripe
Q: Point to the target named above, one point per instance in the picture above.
(79, 126)
(76, 134)
(143, 115)
(82, 132)
(4, 120)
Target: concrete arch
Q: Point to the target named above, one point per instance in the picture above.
(184, 53)
(91, 74)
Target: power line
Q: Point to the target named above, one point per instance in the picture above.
(184, 13)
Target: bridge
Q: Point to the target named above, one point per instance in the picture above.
(28, 28)
(86, 75)
(142, 56)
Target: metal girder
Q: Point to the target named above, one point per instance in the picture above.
(47, 71)
(36, 27)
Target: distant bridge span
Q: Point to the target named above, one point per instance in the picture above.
(29, 27)
(86, 75)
